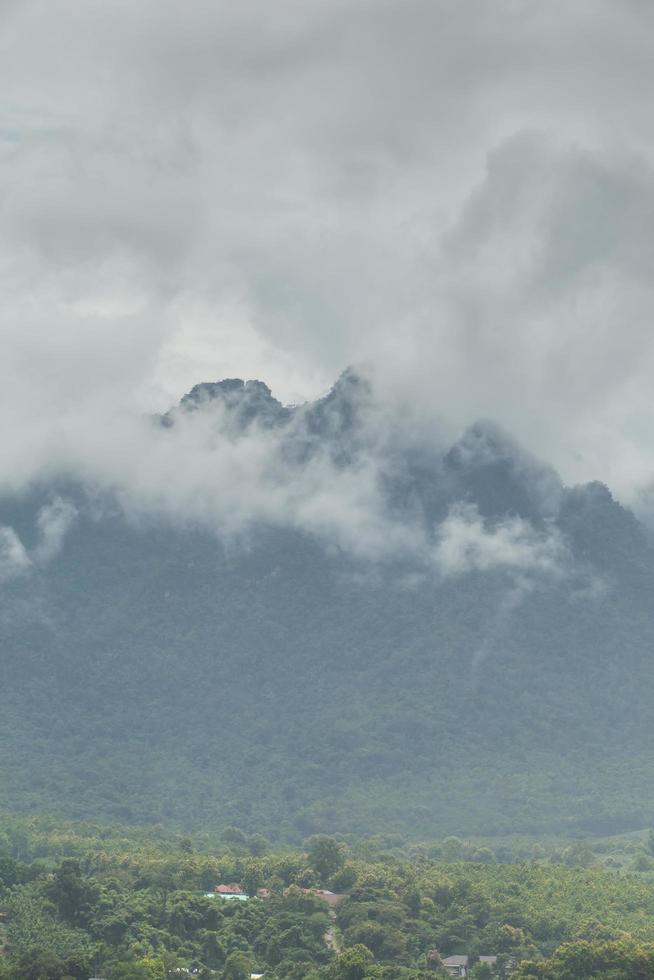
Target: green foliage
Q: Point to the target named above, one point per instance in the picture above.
(131, 905)
(73, 895)
(343, 879)
(252, 877)
(238, 966)
(621, 960)
(159, 677)
(41, 964)
(325, 856)
(9, 872)
(33, 924)
(353, 963)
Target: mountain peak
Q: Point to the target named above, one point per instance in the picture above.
(500, 475)
(246, 402)
(339, 410)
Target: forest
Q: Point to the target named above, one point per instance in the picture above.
(79, 900)
(158, 670)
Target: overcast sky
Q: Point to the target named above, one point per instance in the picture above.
(459, 194)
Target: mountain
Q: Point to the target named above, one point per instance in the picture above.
(321, 620)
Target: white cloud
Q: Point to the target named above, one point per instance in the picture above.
(14, 560)
(199, 473)
(53, 522)
(458, 193)
(465, 544)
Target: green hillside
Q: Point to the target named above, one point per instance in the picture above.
(155, 671)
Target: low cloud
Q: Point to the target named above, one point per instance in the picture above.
(53, 522)
(349, 472)
(14, 560)
(465, 543)
(199, 472)
(338, 471)
(499, 626)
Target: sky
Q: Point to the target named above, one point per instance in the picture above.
(457, 195)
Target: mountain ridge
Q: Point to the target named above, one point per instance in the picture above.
(444, 640)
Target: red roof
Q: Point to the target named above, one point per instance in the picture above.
(229, 890)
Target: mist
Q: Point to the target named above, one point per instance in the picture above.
(457, 197)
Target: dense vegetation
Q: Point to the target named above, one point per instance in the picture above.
(86, 900)
(152, 673)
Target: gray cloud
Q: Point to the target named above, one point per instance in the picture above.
(14, 560)
(53, 522)
(458, 194)
(206, 470)
(465, 543)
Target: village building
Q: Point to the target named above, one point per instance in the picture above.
(231, 892)
(458, 966)
(331, 898)
(236, 892)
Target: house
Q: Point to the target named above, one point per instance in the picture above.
(331, 898)
(456, 966)
(230, 892)
(263, 893)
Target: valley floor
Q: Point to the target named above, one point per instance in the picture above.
(78, 900)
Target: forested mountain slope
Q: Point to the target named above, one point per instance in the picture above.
(355, 629)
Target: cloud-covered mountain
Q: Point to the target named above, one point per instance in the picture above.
(324, 617)
(460, 193)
